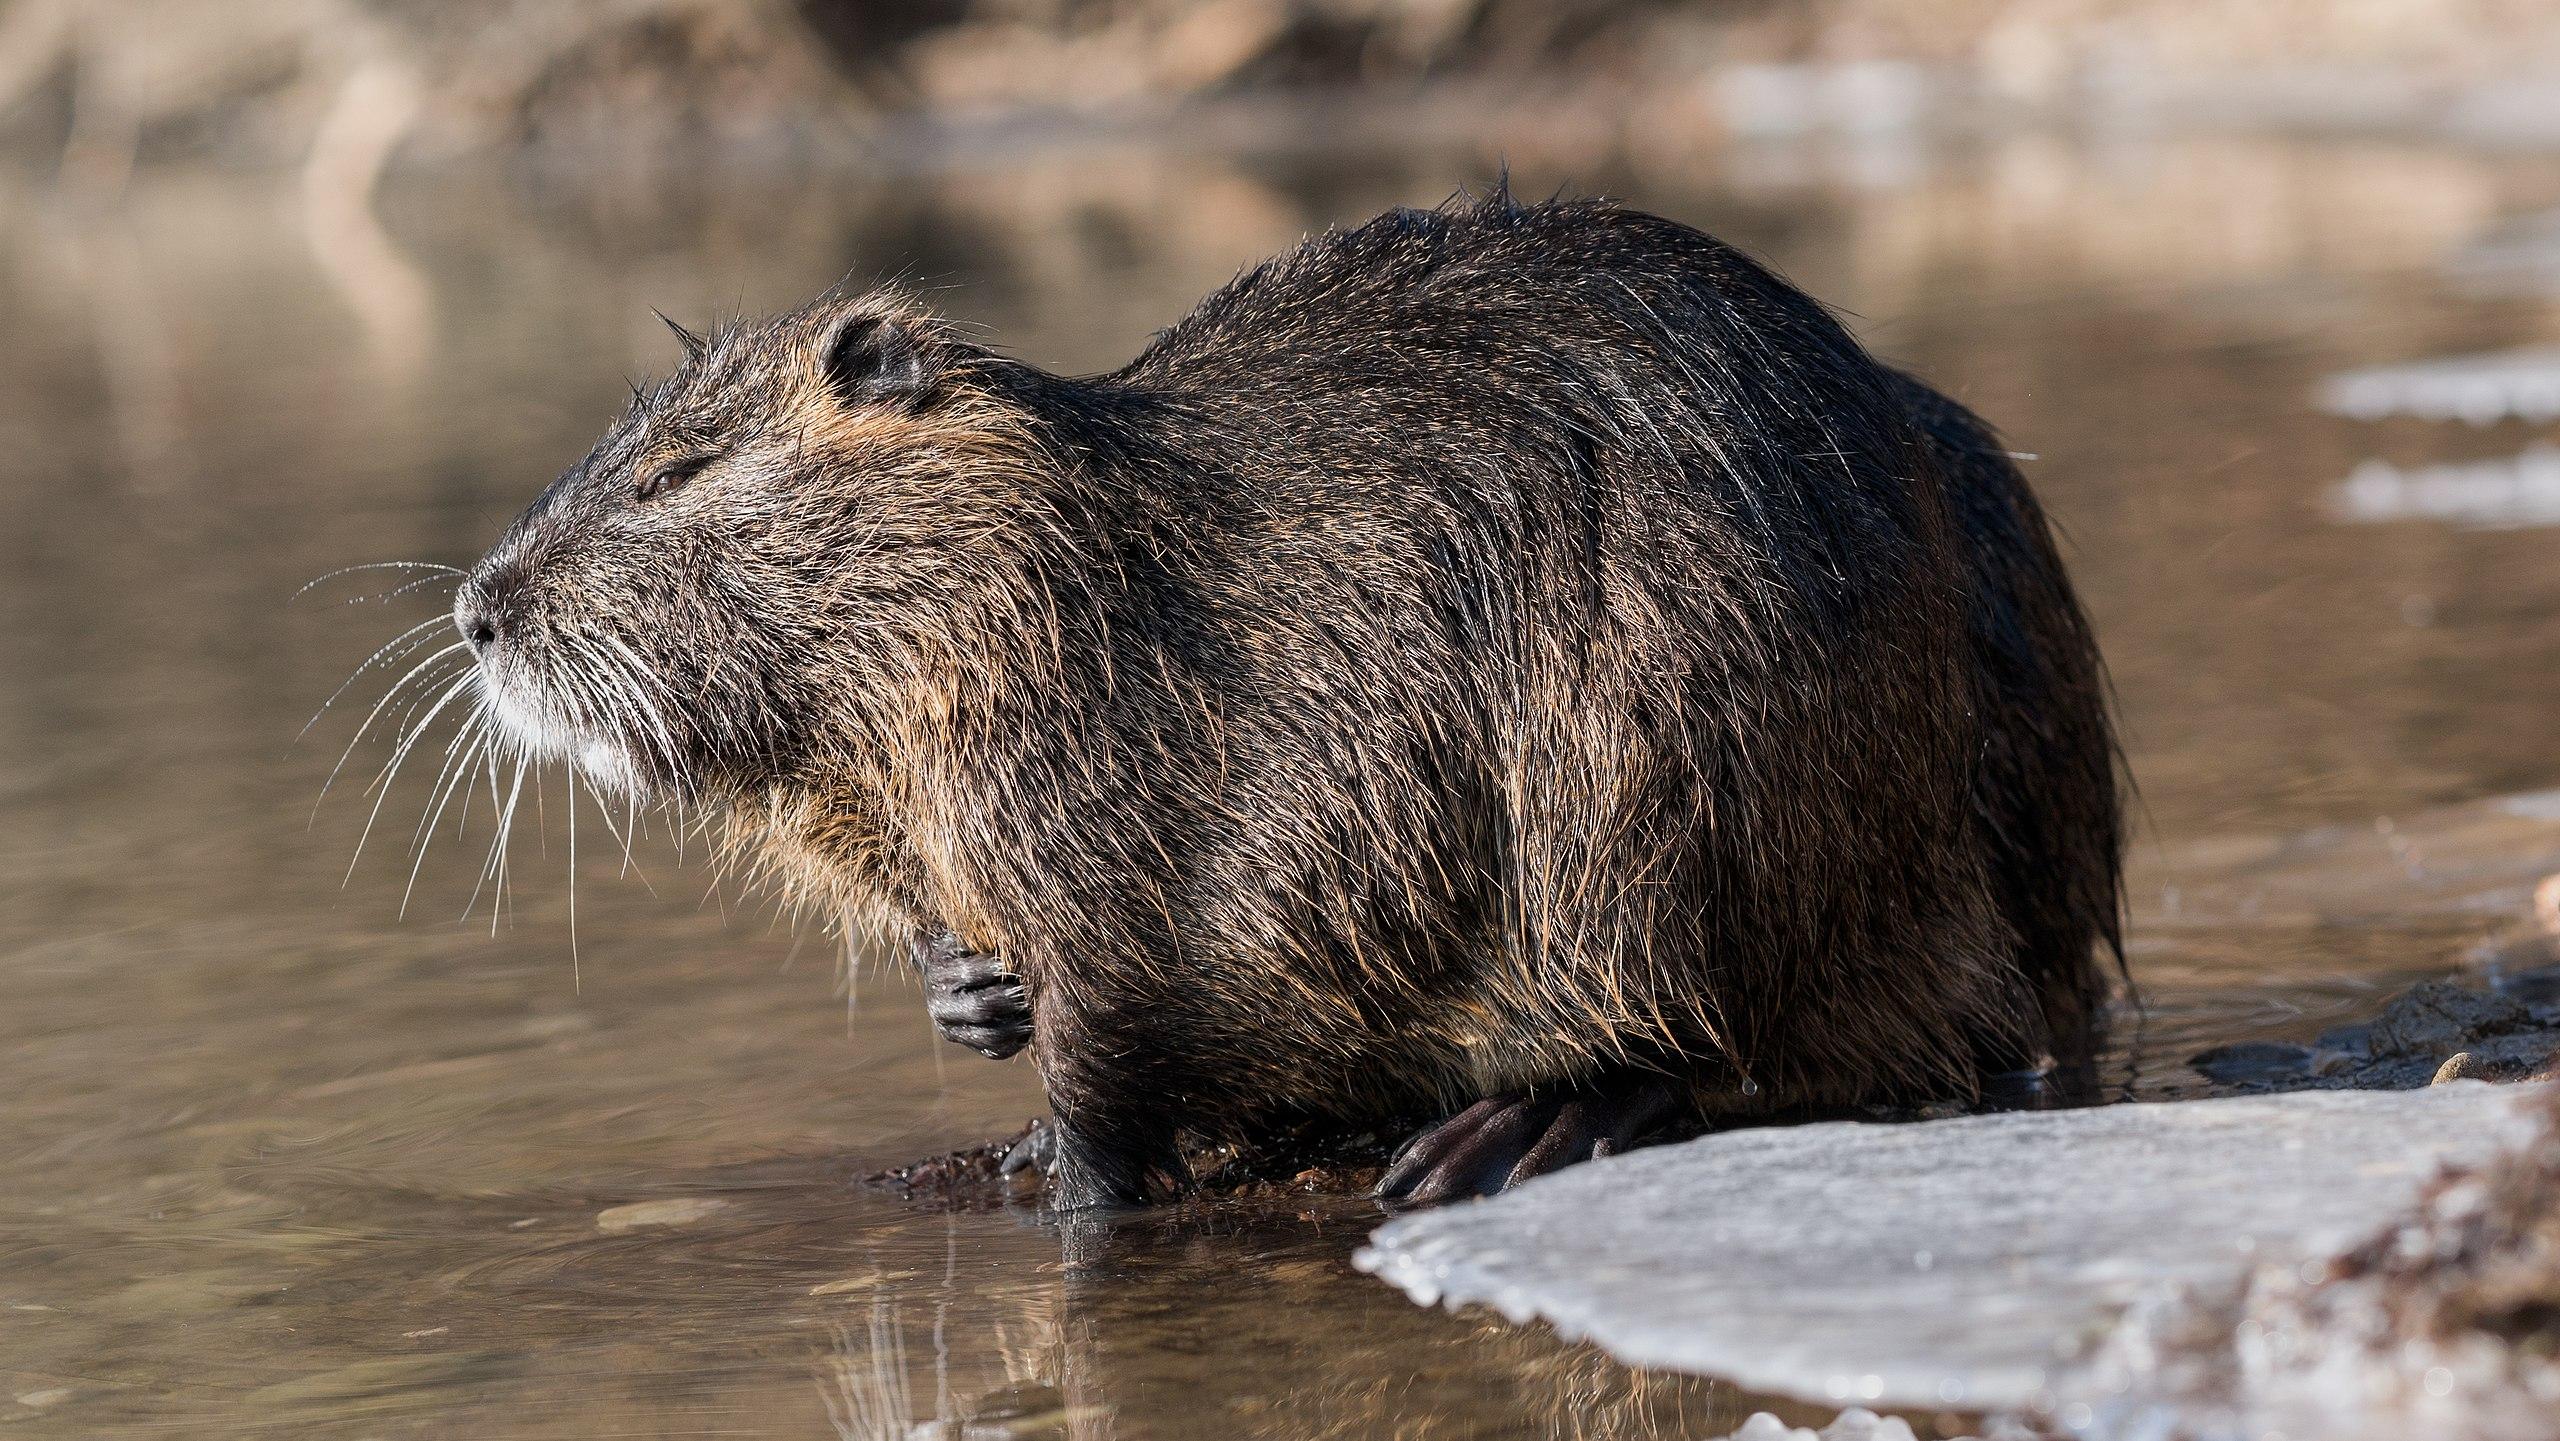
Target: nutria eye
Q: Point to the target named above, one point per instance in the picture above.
(670, 475)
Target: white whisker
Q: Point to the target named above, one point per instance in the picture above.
(576, 985)
(408, 741)
(474, 731)
(457, 754)
(403, 638)
(623, 832)
(496, 867)
(376, 714)
(405, 587)
(318, 581)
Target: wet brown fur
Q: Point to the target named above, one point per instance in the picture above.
(1491, 648)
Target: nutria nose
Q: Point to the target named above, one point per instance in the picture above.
(475, 618)
(479, 611)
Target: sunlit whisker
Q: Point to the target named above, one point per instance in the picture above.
(655, 734)
(495, 867)
(405, 642)
(575, 980)
(420, 710)
(457, 754)
(408, 741)
(631, 828)
(622, 831)
(594, 702)
(404, 588)
(475, 731)
(492, 760)
(318, 581)
(505, 903)
(376, 714)
(636, 681)
(624, 698)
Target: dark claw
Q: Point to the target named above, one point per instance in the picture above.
(1496, 1144)
(1036, 1151)
(972, 998)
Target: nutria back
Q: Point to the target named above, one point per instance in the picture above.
(1481, 652)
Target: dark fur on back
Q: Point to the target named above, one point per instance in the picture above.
(1470, 652)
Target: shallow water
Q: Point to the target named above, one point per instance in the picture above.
(274, 1156)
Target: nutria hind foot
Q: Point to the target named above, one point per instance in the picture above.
(1035, 1150)
(1497, 1143)
(972, 998)
(1120, 1161)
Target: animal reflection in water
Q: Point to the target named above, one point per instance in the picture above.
(1137, 1319)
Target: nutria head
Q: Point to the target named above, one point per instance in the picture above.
(753, 569)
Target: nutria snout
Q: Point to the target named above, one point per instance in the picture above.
(1521, 663)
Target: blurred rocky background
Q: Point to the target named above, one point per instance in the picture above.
(98, 85)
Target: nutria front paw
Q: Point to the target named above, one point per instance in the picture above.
(972, 998)
(1496, 1144)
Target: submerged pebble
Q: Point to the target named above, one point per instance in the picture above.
(851, 1284)
(2254, 1061)
(682, 1211)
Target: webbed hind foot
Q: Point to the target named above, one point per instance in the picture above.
(1499, 1142)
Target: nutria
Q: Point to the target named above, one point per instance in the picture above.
(1524, 661)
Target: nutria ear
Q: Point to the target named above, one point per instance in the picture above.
(872, 358)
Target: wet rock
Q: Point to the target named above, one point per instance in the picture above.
(2254, 1061)
(2437, 1018)
(2460, 1066)
(2503, 1036)
(1823, 1261)
(2353, 1041)
(2500, 1036)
